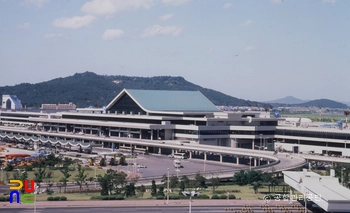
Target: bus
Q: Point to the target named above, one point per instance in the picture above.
(180, 155)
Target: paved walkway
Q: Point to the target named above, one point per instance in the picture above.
(131, 203)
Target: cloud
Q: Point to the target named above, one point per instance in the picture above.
(246, 23)
(328, 1)
(175, 2)
(159, 30)
(52, 36)
(111, 34)
(227, 5)
(74, 22)
(24, 26)
(166, 17)
(109, 7)
(276, 1)
(35, 3)
(249, 48)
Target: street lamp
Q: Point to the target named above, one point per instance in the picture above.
(167, 194)
(35, 192)
(190, 194)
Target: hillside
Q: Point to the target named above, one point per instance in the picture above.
(324, 103)
(86, 89)
(287, 100)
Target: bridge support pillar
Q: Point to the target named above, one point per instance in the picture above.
(205, 156)
(190, 157)
(237, 160)
(220, 158)
(290, 195)
(172, 152)
(159, 150)
(254, 162)
(268, 161)
(253, 144)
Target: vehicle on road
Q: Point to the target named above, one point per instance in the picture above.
(180, 155)
(177, 163)
(141, 166)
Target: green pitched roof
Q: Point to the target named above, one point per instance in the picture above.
(171, 100)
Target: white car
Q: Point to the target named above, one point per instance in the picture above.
(141, 166)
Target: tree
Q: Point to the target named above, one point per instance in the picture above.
(173, 182)
(161, 191)
(215, 183)
(65, 172)
(112, 161)
(141, 190)
(40, 174)
(154, 188)
(182, 187)
(199, 181)
(256, 186)
(130, 190)
(240, 178)
(80, 178)
(186, 181)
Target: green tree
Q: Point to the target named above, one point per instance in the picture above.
(182, 187)
(199, 181)
(80, 178)
(154, 188)
(256, 186)
(141, 190)
(65, 172)
(40, 175)
(173, 182)
(215, 183)
(161, 191)
(240, 178)
(186, 181)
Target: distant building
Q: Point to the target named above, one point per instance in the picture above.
(11, 102)
(69, 106)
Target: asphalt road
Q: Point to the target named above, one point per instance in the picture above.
(144, 209)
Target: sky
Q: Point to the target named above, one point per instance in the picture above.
(256, 50)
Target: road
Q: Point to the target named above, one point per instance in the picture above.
(150, 206)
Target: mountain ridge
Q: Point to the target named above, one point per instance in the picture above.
(87, 88)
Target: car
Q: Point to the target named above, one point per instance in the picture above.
(141, 166)
(171, 156)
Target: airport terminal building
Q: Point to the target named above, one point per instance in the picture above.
(172, 116)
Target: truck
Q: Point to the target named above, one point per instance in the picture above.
(177, 164)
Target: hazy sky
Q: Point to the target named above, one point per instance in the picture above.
(257, 50)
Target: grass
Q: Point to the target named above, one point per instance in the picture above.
(57, 174)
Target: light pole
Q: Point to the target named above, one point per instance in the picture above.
(167, 194)
(35, 192)
(190, 194)
(250, 163)
(2, 175)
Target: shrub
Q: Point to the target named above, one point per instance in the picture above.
(56, 198)
(2, 199)
(63, 198)
(223, 197)
(159, 197)
(7, 198)
(119, 197)
(201, 196)
(104, 198)
(215, 196)
(231, 196)
(111, 198)
(50, 198)
(78, 156)
(174, 197)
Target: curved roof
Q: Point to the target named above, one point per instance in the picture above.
(168, 100)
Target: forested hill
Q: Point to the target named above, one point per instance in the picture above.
(324, 103)
(89, 89)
